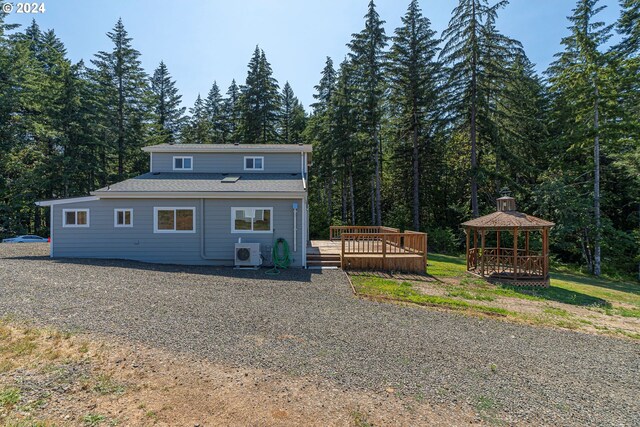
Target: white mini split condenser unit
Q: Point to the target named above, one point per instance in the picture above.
(247, 255)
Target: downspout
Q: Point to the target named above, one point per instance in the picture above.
(51, 226)
(304, 232)
(203, 255)
(295, 226)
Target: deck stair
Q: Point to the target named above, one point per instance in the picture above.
(323, 260)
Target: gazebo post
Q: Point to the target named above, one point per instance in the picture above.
(498, 249)
(526, 243)
(482, 262)
(466, 232)
(515, 253)
(545, 250)
(475, 247)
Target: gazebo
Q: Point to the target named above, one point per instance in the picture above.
(509, 247)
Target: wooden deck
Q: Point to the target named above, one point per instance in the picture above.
(370, 248)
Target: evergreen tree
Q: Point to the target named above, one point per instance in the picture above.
(259, 102)
(197, 130)
(292, 117)
(214, 108)
(414, 75)
(232, 113)
(319, 132)
(579, 80)
(367, 55)
(474, 51)
(166, 107)
(123, 87)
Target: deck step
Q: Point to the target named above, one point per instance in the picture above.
(323, 263)
(323, 257)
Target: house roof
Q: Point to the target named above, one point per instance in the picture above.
(507, 219)
(228, 148)
(180, 182)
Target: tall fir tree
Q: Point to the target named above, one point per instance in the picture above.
(415, 77)
(197, 130)
(292, 117)
(214, 107)
(124, 90)
(232, 113)
(579, 82)
(367, 55)
(259, 102)
(168, 114)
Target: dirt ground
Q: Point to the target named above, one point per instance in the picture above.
(65, 379)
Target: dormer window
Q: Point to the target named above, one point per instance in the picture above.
(254, 163)
(182, 163)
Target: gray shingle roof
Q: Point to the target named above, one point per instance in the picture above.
(208, 182)
(229, 148)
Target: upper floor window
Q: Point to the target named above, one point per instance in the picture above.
(75, 217)
(254, 163)
(182, 163)
(123, 217)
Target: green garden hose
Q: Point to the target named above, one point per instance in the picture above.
(281, 258)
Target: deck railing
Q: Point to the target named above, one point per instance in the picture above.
(335, 231)
(384, 243)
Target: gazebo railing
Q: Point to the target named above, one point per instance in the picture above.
(501, 261)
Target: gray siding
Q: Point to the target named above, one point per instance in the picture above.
(229, 162)
(102, 240)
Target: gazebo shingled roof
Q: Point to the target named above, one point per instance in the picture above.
(508, 219)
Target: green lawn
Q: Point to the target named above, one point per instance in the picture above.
(454, 288)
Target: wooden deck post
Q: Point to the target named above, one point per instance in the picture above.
(545, 251)
(515, 253)
(384, 251)
(342, 251)
(482, 261)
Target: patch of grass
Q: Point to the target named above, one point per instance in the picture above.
(6, 366)
(151, 414)
(446, 265)
(25, 422)
(377, 287)
(556, 311)
(106, 385)
(19, 347)
(84, 347)
(458, 293)
(93, 419)
(360, 419)
(9, 397)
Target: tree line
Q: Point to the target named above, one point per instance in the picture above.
(415, 129)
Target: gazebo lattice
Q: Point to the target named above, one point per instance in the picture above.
(524, 262)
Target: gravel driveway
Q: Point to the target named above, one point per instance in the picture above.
(307, 322)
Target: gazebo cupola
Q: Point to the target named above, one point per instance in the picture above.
(508, 246)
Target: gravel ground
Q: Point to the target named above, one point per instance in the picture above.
(308, 323)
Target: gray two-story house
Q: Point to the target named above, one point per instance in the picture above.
(192, 207)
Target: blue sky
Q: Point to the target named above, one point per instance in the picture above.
(202, 41)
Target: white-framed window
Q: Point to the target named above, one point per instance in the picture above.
(75, 217)
(123, 217)
(182, 163)
(174, 220)
(251, 220)
(253, 163)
